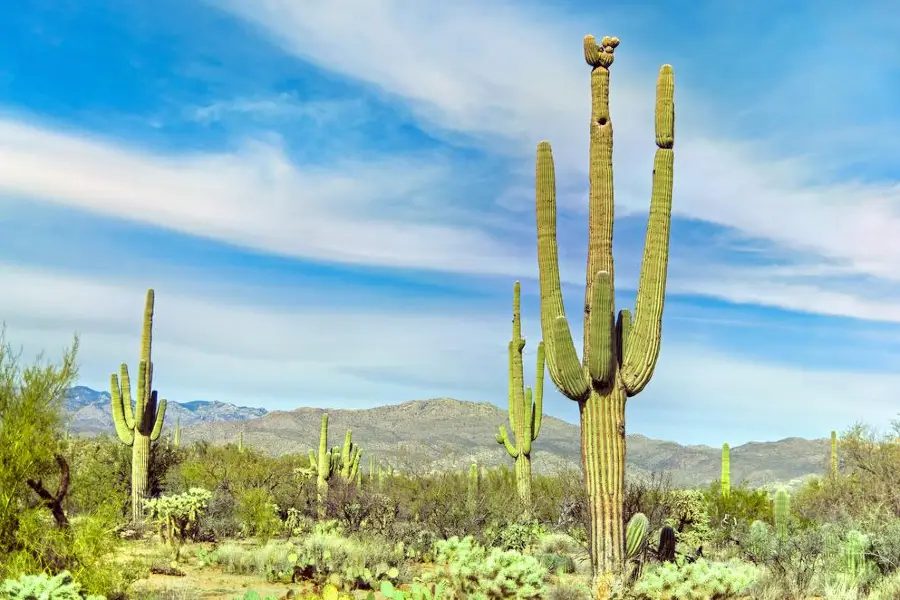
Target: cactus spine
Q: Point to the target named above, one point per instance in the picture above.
(834, 455)
(725, 479)
(141, 424)
(525, 411)
(618, 358)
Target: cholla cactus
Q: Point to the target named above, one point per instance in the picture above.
(43, 587)
(177, 515)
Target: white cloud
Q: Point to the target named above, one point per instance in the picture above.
(519, 77)
(255, 198)
(207, 346)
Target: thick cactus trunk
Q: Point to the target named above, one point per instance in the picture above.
(140, 474)
(603, 455)
(523, 479)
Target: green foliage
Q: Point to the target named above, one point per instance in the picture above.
(417, 591)
(31, 399)
(516, 536)
(471, 571)
(688, 515)
(700, 580)
(43, 587)
(258, 515)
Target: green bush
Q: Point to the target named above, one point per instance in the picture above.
(700, 580)
(43, 587)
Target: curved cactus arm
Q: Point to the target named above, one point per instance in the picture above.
(644, 343)
(600, 332)
(537, 411)
(562, 358)
(121, 413)
(354, 466)
(503, 438)
(160, 416)
(313, 461)
(528, 403)
(623, 331)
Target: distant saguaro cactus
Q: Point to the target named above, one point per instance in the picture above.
(834, 455)
(726, 471)
(525, 408)
(141, 424)
(781, 512)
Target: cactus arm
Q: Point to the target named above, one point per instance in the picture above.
(562, 358)
(160, 416)
(644, 343)
(600, 328)
(623, 331)
(503, 438)
(313, 461)
(538, 410)
(528, 405)
(121, 413)
(514, 380)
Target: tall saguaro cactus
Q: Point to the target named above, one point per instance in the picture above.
(525, 407)
(324, 466)
(140, 425)
(619, 357)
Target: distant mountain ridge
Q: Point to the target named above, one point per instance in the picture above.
(89, 412)
(444, 433)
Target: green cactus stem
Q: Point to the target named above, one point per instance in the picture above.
(618, 357)
(635, 535)
(324, 466)
(525, 408)
(472, 485)
(349, 458)
(725, 478)
(141, 424)
(240, 444)
(781, 512)
(833, 472)
(176, 436)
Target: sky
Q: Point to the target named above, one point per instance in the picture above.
(333, 198)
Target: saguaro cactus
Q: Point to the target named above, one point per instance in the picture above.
(781, 513)
(725, 479)
(525, 412)
(350, 455)
(139, 426)
(618, 358)
(323, 466)
(176, 436)
(834, 455)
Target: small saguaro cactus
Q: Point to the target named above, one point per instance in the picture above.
(618, 357)
(834, 455)
(350, 455)
(141, 424)
(781, 513)
(667, 542)
(323, 466)
(176, 435)
(726, 471)
(525, 407)
(240, 444)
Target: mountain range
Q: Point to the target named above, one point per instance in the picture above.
(444, 433)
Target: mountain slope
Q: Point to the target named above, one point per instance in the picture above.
(444, 433)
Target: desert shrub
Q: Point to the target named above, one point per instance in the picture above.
(471, 571)
(742, 505)
(700, 579)
(569, 591)
(258, 515)
(515, 536)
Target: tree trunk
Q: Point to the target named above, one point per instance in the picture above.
(55, 503)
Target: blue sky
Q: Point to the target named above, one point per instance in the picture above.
(333, 198)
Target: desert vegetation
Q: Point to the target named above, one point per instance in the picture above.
(137, 514)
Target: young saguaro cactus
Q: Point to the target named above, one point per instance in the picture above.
(618, 357)
(781, 513)
(525, 407)
(725, 478)
(141, 424)
(350, 455)
(833, 472)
